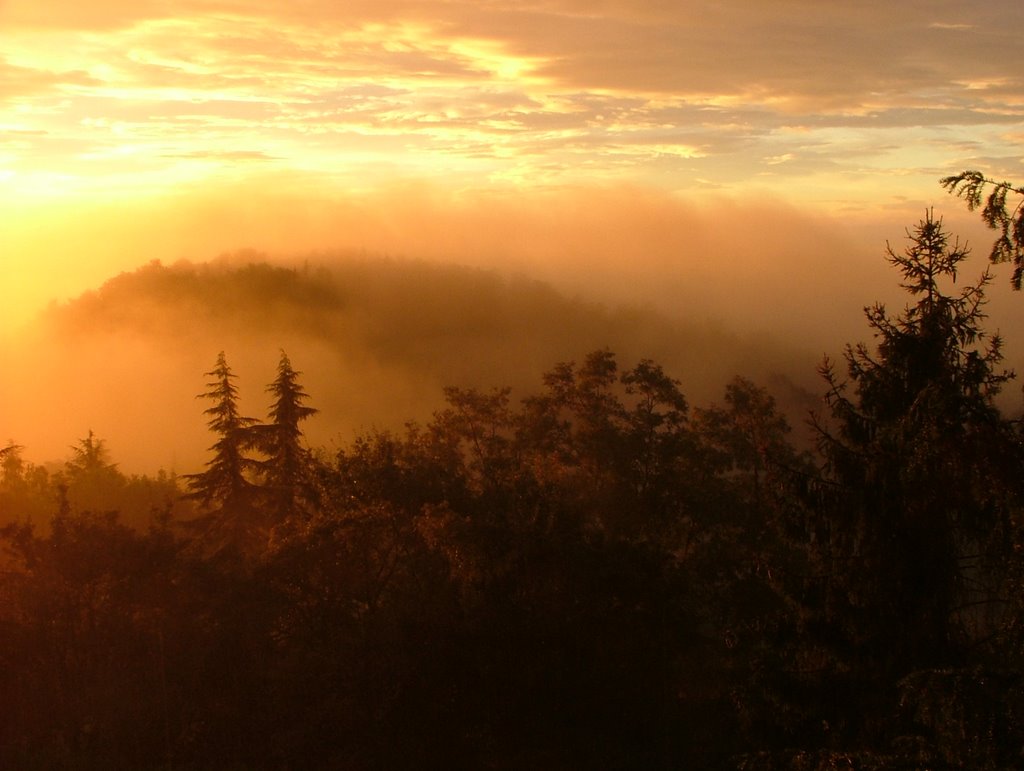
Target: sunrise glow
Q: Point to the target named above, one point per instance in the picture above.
(129, 110)
(511, 384)
(133, 99)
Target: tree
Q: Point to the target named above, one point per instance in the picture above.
(93, 481)
(922, 462)
(90, 456)
(24, 490)
(748, 434)
(10, 449)
(286, 470)
(615, 443)
(12, 467)
(1009, 245)
(224, 486)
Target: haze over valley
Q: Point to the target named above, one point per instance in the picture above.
(470, 296)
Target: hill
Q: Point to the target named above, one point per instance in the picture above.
(376, 338)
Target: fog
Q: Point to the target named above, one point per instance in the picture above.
(382, 299)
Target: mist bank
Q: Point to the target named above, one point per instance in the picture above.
(377, 340)
(748, 261)
(385, 297)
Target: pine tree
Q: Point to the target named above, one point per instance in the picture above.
(90, 457)
(286, 471)
(920, 455)
(224, 486)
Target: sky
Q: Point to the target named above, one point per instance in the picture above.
(740, 161)
(815, 100)
(850, 106)
(615, 147)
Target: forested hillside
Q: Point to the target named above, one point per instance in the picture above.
(593, 570)
(379, 340)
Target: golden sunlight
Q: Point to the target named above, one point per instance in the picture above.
(440, 384)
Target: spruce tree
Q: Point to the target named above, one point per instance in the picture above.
(224, 486)
(920, 456)
(285, 472)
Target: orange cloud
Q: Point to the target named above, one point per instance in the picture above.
(138, 95)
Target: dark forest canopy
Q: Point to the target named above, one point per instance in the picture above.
(599, 571)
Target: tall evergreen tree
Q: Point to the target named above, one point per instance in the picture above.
(90, 456)
(920, 454)
(224, 486)
(286, 470)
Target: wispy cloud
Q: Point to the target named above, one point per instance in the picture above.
(547, 92)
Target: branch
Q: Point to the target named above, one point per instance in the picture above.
(1009, 244)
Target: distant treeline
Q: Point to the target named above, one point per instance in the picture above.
(598, 575)
(378, 339)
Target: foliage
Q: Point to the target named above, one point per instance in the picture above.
(925, 471)
(285, 471)
(88, 482)
(596, 575)
(225, 484)
(996, 213)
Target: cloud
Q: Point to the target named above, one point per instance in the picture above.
(951, 26)
(17, 81)
(715, 257)
(228, 155)
(557, 92)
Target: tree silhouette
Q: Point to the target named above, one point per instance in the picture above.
(93, 481)
(920, 454)
(285, 472)
(90, 456)
(224, 486)
(996, 213)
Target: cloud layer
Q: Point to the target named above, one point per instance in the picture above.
(814, 100)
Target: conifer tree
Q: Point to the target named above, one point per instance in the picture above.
(90, 456)
(1005, 217)
(93, 481)
(920, 454)
(224, 485)
(285, 471)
